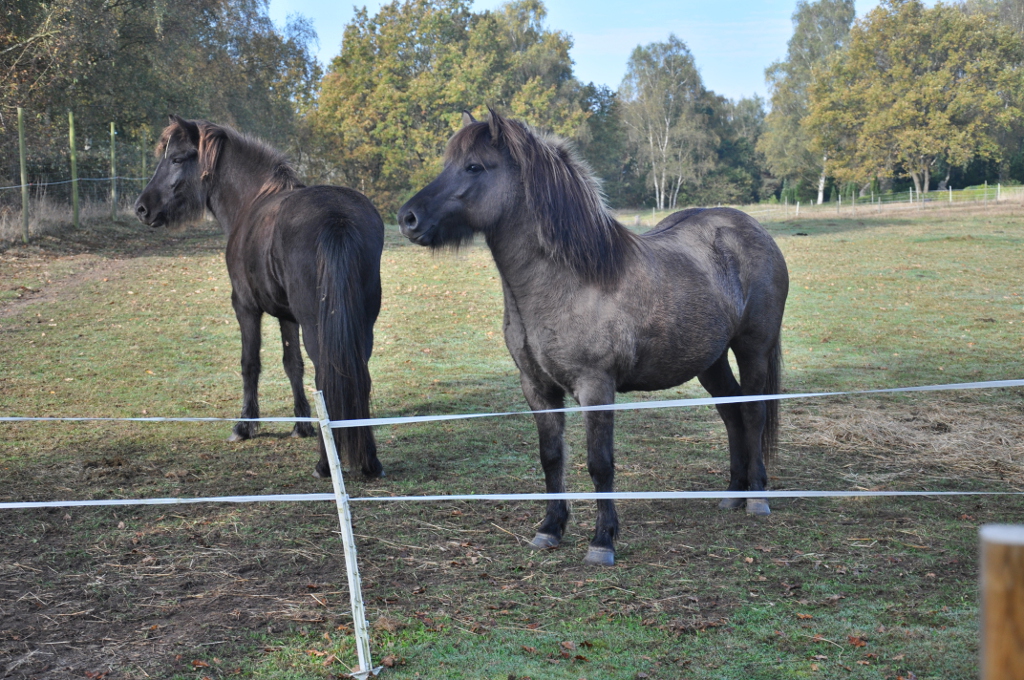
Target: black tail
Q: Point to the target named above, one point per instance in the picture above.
(773, 384)
(348, 266)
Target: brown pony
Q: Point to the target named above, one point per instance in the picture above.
(592, 309)
(309, 256)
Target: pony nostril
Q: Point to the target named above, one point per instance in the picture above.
(141, 210)
(409, 220)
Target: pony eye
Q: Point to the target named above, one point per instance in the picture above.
(474, 168)
(177, 161)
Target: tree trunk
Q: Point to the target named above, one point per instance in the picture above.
(821, 181)
(916, 176)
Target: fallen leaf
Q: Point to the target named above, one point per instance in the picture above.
(857, 641)
(804, 616)
(197, 663)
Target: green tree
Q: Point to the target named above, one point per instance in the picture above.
(666, 111)
(819, 30)
(135, 61)
(606, 147)
(914, 86)
(739, 167)
(392, 98)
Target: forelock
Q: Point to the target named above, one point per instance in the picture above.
(465, 140)
(172, 133)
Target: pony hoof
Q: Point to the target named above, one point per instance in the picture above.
(235, 437)
(600, 557)
(543, 542)
(758, 507)
(320, 475)
(731, 503)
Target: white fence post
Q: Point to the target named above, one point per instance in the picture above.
(355, 588)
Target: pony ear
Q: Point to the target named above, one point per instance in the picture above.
(189, 127)
(211, 141)
(467, 118)
(496, 124)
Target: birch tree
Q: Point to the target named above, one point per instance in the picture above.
(664, 109)
(819, 30)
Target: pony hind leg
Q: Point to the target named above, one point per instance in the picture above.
(719, 381)
(294, 369)
(551, 436)
(759, 366)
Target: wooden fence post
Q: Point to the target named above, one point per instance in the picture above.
(113, 174)
(1002, 602)
(24, 176)
(74, 167)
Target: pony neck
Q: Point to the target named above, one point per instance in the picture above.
(526, 267)
(236, 185)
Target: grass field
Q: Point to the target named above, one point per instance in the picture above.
(116, 320)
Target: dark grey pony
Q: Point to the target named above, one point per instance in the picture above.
(592, 309)
(309, 256)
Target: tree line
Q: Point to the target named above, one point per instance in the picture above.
(907, 96)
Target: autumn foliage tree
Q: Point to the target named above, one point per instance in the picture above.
(819, 30)
(392, 98)
(915, 86)
(135, 61)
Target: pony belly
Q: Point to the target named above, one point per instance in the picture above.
(653, 383)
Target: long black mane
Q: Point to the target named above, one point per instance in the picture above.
(254, 155)
(562, 194)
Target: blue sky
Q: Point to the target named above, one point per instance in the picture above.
(732, 40)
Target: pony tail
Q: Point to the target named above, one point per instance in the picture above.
(211, 141)
(772, 385)
(350, 301)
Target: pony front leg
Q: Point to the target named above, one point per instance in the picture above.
(551, 435)
(249, 323)
(601, 465)
(293, 368)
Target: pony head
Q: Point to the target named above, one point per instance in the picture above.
(502, 174)
(188, 151)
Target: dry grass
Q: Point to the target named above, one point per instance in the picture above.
(937, 437)
(47, 216)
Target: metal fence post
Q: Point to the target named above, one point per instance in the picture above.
(1002, 601)
(24, 176)
(113, 173)
(355, 589)
(74, 167)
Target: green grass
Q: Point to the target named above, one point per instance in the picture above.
(128, 322)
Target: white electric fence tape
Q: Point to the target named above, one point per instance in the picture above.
(627, 406)
(585, 495)
(644, 495)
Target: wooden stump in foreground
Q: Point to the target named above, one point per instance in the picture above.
(1002, 602)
